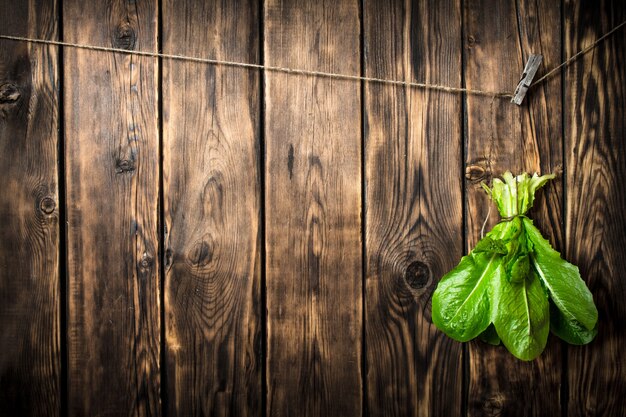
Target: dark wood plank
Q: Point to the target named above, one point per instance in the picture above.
(212, 210)
(595, 128)
(313, 189)
(30, 332)
(112, 158)
(502, 136)
(414, 205)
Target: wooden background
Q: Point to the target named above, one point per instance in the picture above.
(185, 239)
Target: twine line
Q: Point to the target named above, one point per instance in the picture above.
(482, 229)
(271, 68)
(578, 54)
(296, 71)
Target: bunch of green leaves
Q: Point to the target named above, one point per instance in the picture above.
(513, 286)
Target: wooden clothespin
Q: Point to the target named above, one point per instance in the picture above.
(527, 78)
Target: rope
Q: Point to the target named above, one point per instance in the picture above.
(578, 54)
(285, 70)
(332, 75)
(482, 229)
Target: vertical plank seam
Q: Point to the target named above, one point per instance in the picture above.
(564, 349)
(261, 161)
(161, 217)
(63, 260)
(464, 352)
(364, 393)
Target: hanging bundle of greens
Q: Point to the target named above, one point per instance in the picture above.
(514, 287)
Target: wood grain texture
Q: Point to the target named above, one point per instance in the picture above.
(212, 210)
(30, 334)
(414, 205)
(313, 189)
(502, 136)
(112, 157)
(595, 130)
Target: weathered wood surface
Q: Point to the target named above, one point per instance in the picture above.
(337, 205)
(595, 151)
(499, 37)
(30, 333)
(414, 205)
(212, 210)
(112, 160)
(313, 210)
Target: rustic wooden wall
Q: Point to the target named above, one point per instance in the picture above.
(179, 239)
(31, 335)
(111, 174)
(527, 138)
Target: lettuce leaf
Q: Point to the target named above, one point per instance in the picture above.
(461, 306)
(570, 331)
(567, 289)
(522, 317)
(515, 195)
(513, 286)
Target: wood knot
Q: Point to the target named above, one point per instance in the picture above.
(493, 405)
(124, 37)
(9, 93)
(478, 171)
(124, 165)
(146, 261)
(471, 41)
(47, 205)
(202, 253)
(417, 275)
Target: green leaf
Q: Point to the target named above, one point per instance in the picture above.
(522, 318)
(517, 263)
(570, 330)
(526, 187)
(491, 245)
(515, 195)
(562, 279)
(504, 194)
(460, 302)
(461, 307)
(490, 336)
(514, 287)
(520, 269)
